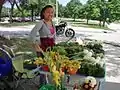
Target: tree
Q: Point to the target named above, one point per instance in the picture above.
(109, 11)
(32, 5)
(42, 3)
(66, 12)
(114, 10)
(76, 12)
(12, 3)
(17, 13)
(60, 10)
(96, 10)
(4, 11)
(103, 12)
(1, 5)
(73, 8)
(22, 6)
(89, 10)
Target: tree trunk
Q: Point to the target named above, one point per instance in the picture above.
(87, 17)
(11, 10)
(11, 13)
(74, 17)
(0, 12)
(104, 17)
(23, 16)
(100, 22)
(104, 20)
(32, 14)
(87, 20)
(1, 5)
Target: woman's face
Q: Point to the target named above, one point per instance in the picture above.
(48, 14)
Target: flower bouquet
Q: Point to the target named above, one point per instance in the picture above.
(70, 66)
(54, 63)
(89, 83)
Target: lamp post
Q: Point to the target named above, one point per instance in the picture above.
(56, 12)
(49, 1)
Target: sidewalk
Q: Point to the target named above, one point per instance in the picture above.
(107, 36)
(17, 28)
(112, 86)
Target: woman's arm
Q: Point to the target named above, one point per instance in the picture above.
(54, 32)
(35, 30)
(33, 36)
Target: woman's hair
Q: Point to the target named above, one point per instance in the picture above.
(43, 10)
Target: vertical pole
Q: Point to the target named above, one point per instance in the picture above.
(49, 1)
(56, 12)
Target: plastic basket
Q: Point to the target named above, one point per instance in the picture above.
(48, 87)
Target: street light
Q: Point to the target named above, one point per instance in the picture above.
(49, 1)
(56, 12)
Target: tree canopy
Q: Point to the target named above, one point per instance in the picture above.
(101, 10)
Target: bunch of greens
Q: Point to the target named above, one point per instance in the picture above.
(91, 55)
(90, 69)
(96, 47)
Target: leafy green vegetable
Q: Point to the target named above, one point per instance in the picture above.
(91, 69)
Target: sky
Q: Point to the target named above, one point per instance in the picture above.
(63, 2)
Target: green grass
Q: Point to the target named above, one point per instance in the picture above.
(76, 23)
(17, 24)
(117, 22)
(91, 24)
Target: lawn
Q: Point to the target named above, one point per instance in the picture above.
(89, 26)
(17, 24)
(82, 23)
(76, 23)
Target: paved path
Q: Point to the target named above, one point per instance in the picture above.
(98, 34)
(112, 86)
(112, 57)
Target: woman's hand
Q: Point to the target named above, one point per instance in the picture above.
(37, 48)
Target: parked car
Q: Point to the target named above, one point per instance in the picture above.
(2, 20)
(20, 20)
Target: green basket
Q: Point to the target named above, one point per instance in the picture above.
(48, 87)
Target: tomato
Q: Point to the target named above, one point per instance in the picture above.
(45, 68)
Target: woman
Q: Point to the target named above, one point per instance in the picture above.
(46, 31)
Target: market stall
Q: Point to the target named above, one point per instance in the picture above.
(71, 66)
